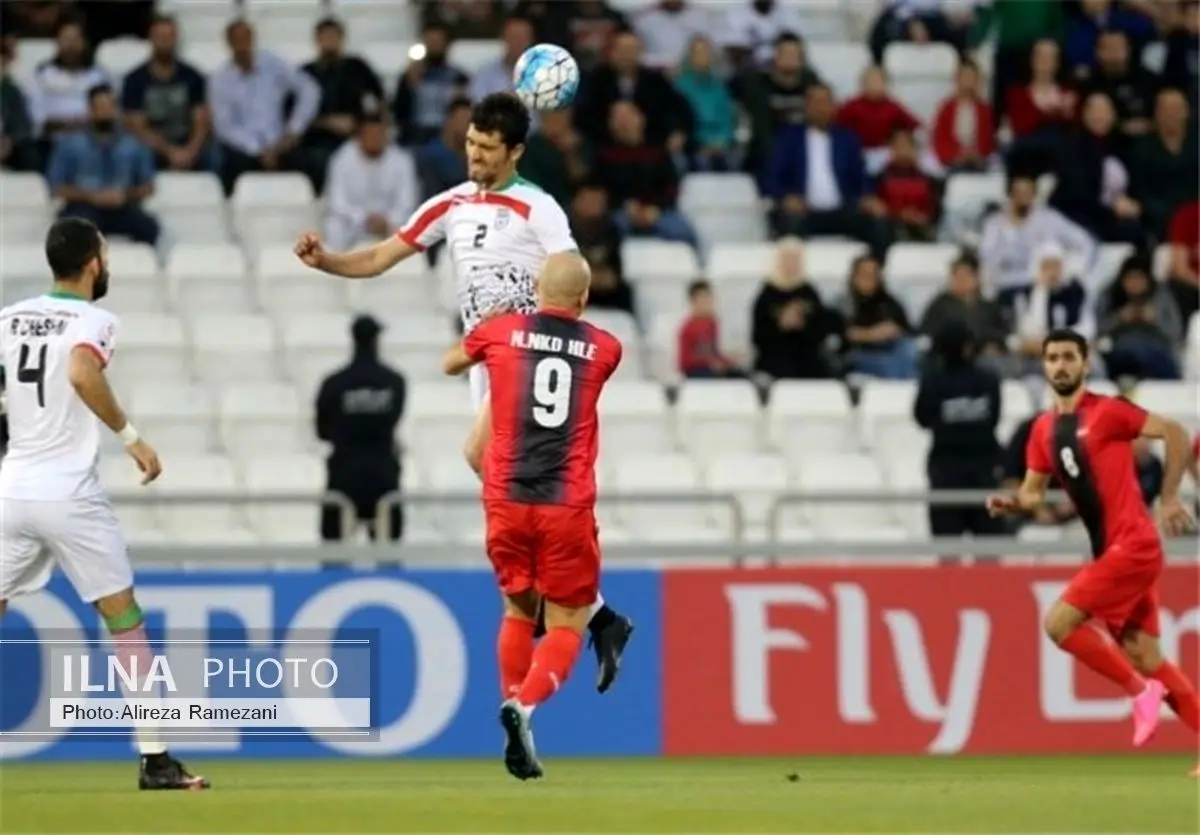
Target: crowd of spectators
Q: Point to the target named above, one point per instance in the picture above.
(674, 89)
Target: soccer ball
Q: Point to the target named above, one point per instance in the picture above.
(546, 77)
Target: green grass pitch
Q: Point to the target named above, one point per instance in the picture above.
(1018, 794)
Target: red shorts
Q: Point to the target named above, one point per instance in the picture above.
(550, 548)
(1121, 588)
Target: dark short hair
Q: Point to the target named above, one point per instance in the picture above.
(71, 244)
(1019, 176)
(70, 20)
(1110, 31)
(698, 286)
(458, 103)
(237, 23)
(967, 64)
(1066, 335)
(788, 37)
(966, 259)
(329, 23)
(502, 113)
(160, 20)
(99, 90)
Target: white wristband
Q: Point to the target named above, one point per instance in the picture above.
(129, 436)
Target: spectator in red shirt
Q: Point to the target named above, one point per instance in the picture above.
(1184, 238)
(1045, 105)
(873, 115)
(909, 194)
(963, 128)
(699, 337)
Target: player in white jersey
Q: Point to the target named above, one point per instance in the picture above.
(54, 349)
(498, 230)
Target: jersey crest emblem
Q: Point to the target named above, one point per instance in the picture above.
(503, 217)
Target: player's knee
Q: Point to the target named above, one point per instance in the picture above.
(1061, 621)
(559, 616)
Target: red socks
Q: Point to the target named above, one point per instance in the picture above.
(552, 662)
(1181, 695)
(514, 650)
(1103, 657)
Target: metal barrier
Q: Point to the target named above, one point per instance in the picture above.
(734, 549)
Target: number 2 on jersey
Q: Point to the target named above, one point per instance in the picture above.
(551, 392)
(33, 374)
(480, 234)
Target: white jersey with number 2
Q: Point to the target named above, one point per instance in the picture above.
(54, 439)
(497, 241)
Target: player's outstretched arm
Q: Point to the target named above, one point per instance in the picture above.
(367, 262)
(1029, 496)
(457, 361)
(86, 374)
(1174, 515)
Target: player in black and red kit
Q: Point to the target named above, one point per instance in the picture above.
(1085, 441)
(546, 370)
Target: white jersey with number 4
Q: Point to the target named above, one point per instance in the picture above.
(497, 241)
(54, 439)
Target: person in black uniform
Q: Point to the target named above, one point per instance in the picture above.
(959, 402)
(358, 408)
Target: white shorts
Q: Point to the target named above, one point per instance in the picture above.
(83, 535)
(478, 378)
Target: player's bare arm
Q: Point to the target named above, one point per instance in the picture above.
(457, 361)
(86, 374)
(367, 262)
(1173, 514)
(1029, 496)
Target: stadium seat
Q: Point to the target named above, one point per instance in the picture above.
(286, 285)
(886, 401)
(175, 416)
(827, 264)
(852, 520)
(210, 278)
(437, 420)
(1180, 400)
(968, 194)
(675, 516)
(212, 520)
(1109, 258)
(25, 204)
(137, 283)
(234, 348)
(623, 326)
(25, 262)
(122, 479)
(756, 480)
(661, 259)
(152, 347)
(733, 262)
(719, 417)
(723, 207)
(31, 53)
(284, 522)
(459, 520)
(634, 418)
(904, 60)
(264, 419)
(805, 416)
(191, 205)
(272, 208)
(209, 54)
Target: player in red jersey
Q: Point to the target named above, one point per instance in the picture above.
(546, 370)
(1085, 441)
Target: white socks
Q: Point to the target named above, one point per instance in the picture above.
(595, 607)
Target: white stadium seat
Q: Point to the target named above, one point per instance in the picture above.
(210, 278)
(1180, 400)
(854, 520)
(730, 262)
(637, 479)
(719, 417)
(634, 419)
(121, 56)
(437, 419)
(197, 477)
(264, 418)
(662, 259)
(827, 263)
(756, 480)
(25, 204)
(234, 348)
(273, 207)
(840, 63)
(285, 284)
(723, 207)
(461, 520)
(176, 416)
(274, 475)
(805, 416)
(152, 347)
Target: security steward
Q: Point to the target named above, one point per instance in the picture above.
(358, 409)
(958, 401)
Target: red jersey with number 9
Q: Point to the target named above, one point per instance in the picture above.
(1090, 450)
(545, 374)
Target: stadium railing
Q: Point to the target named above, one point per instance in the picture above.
(776, 548)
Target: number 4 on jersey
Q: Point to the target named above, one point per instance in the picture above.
(552, 392)
(33, 374)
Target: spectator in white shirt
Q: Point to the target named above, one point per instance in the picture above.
(667, 29)
(1012, 235)
(247, 97)
(496, 77)
(58, 96)
(750, 32)
(372, 188)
